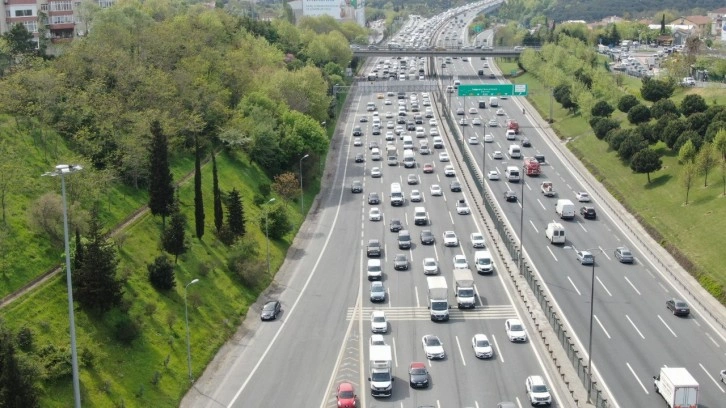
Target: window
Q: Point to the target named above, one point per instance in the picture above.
(24, 13)
(31, 26)
(61, 6)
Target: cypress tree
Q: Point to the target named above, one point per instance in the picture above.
(198, 196)
(161, 187)
(173, 238)
(218, 211)
(235, 214)
(78, 254)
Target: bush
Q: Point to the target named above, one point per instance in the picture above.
(602, 109)
(663, 107)
(161, 273)
(638, 114)
(25, 339)
(594, 120)
(693, 103)
(631, 145)
(694, 137)
(616, 137)
(626, 102)
(265, 189)
(604, 126)
(653, 90)
(56, 361)
(251, 272)
(125, 329)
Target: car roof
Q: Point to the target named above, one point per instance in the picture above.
(417, 364)
(345, 386)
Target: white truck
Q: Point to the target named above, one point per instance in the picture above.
(438, 298)
(677, 386)
(565, 209)
(380, 371)
(464, 288)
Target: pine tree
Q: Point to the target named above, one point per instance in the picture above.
(662, 25)
(161, 187)
(235, 214)
(173, 238)
(17, 379)
(161, 273)
(198, 196)
(218, 211)
(95, 283)
(78, 254)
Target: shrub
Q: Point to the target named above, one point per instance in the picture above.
(653, 90)
(616, 137)
(631, 145)
(161, 273)
(602, 109)
(626, 102)
(638, 114)
(604, 126)
(693, 103)
(125, 329)
(663, 107)
(25, 339)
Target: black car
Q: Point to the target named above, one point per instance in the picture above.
(418, 376)
(526, 143)
(400, 262)
(376, 131)
(373, 198)
(510, 196)
(491, 76)
(401, 120)
(455, 186)
(588, 213)
(427, 237)
(356, 187)
(270, 310)
(395, 225)
(678, 307)
(540, 158)
(359, 158)
(373, 248)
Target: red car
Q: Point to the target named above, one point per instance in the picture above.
(346, 395)
(428, 168)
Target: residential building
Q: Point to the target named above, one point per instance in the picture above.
(701, 25)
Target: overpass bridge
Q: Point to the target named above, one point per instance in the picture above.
(440, 52)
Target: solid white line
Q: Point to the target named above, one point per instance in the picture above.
(632, 286)
(415, 292)
(551, 253)
(636, 378)
(573, 285)
(667, 327)
(716, 382)
(395, 354)
(461, 353)
(499, 352)
(534, 227)
(635, 327)
(603, 286)
(602, 327)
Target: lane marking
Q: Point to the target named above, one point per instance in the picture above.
(716, 382)
(666, 325)
(602, 327)
(573, 285)
(637, 379)
(395, 354)
(534, 227)
(461, 353)
(632, 286)
(541, 205)
(551, 253)
(635, 327)
(603, 286)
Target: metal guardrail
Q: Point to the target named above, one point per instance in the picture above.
(448, 52)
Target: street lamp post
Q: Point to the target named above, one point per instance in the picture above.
(267, 235)
(61, 170)
(302, 196)
(521, 229)
(186, 319)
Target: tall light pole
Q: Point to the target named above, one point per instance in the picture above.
(302, 196)
(267, 234)
(186, 319)
(61, 170)
(521, 228)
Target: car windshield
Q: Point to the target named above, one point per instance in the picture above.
(539, 388)
(418, 371)
(380, 376)
(430, 263)
(681, 304)
(379, 319)
(484, 261)
(269, 306)
(482, 343)
(515, 327)
(432, 341)
(625, 253)
(346, 394)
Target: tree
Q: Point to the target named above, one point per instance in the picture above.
(602, 109)
(713, 128)
(287, 185)
(653, 90)
(19, 40)
(638, 114)
(672, 131)
(235, 214)
(693, 103)
(95, 284)
(631, 145)
(78, 251)
(198, 195)
(604, 126)
(662, 107)
(161, 273)
(688, 136)
(278, 219)
(218, 211)
(617, 136)
(705, 161)
(687, 154)
(662, 25)
(173, 237)
(626, 102)
(161, 187)
(688, 174)
(18, 387)
(719, 143)
(698, 122)
(646, 161)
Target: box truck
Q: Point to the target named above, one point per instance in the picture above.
(677, 386)
(464, 288)
(438, 298)
(380, 370)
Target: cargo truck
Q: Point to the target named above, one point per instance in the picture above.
(531, 166)
(380, 374)
(677, 386)
(464, 288)
(438, 298)
(513, 125)
(547, 189)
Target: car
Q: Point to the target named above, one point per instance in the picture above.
(387, 102)
(624, 255)
(415, 196)
(375, 214)
(433, 122)
(434, 132)
(357, 142)
(449, 171)
(488, 138)
(373, 145)
(588, 213)
(443, 156)
(500, 112)
(428, 168)
(482, 347)
(374, 198)
(390, 125)
(436, 190)
(476, 122)
(418, 375)
(450, 239)
(585, 257)
(373, 248)
(678, 307)
(473, 111)
(526, 142)
(493, 122)
(364, 119)
(345, 395)
(390, 136)
(359, 158)
(473, 140)
(376, 130)
(460, 262)
(379, 96)
(540, 158)
(463, 122)
(537, 391)
(723, 376)
(497, 155)
(460, 111)
(506, 404)
(515, 330)
(270, 310)
(455, 186)
(492, 76)
(395, 225)
(412, 179)
(400, 262)
(379, 323)
(583, 197)
(376, 172)
(430, 266)
(427, 237)
(433, 347)
(356, 186)
(389, 115)
(477, 240)
(462, 208)
(493, 175)
(378, 292)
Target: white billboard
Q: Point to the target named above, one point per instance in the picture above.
(338, 9)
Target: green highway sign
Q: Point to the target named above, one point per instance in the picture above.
(493, 90)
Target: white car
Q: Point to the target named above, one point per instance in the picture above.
(390, 124)
(429, 112)
(515, 330)
(537, 391)
(387, 102)
(375, 214)
(376, 172)
(377, 340)
(415, 196)
(379, 324)
(462, 208)
(430, 266)
(460, 262)
(364, 119)
(583, 197)
(433, 122)
(493, 122)
(476, 122)
(477, 240)
(463, 122)
(449, 171)
(389, 115)
(482, 347)
(399, 129)
(443, 156)
(436, 190)
(500, 112)
(357, 142)
(473, 111)
(488, 138)
(473, 140)
(450, 239)
(493, 175)
(433, 347)
(497, 155)
(434, 131)
(390, 135)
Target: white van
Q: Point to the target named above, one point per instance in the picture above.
(483, 261)
(420, 217)
(511, 134)
(512, 174)
(555, 232)
(565, 209)
(375, 154)
(397, 198)
(374, 269)
(409, 160)
(407, 143)
(515, 151)
(493, 102)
